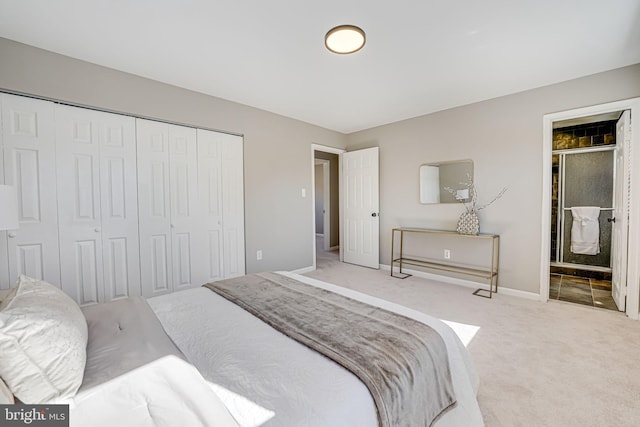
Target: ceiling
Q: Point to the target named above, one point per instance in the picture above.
(421, 56)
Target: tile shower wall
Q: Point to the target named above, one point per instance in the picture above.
(571, 137)
(555, 168)
(582, 136)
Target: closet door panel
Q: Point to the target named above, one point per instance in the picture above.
(78, 173)
(187, 236)
(210, 198)
(28, 138)
(154, 207)
(5, 282)
(233, 206)
(119, 207)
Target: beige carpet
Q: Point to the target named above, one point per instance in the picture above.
(540, 364)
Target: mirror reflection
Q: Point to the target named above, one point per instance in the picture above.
(444, 182)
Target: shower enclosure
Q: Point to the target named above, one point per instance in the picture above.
(583, 177)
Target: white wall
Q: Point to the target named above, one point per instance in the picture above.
(503, 137)
(276, 148)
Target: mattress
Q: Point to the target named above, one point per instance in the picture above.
(267, 379)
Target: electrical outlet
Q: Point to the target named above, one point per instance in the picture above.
(259, 255)
(447, 254)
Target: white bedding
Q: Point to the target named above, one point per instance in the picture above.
(167, 392)
(267, 379)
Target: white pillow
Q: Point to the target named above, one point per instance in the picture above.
(43, 341)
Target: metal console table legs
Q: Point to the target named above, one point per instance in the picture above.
(489, 273)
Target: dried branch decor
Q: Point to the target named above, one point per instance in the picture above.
(469, 222)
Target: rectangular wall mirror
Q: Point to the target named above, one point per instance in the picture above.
(435, 178)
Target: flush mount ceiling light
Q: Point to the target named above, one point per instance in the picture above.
(345, 39)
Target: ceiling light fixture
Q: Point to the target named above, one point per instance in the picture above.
(345, 39)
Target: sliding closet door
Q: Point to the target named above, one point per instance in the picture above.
(4, 258)
(97, 209)
(154, 208)
(210, 188)
(78, 163)
(187, 234)
(233, 205)
(112, 206)
(119, 207)
(28, 137)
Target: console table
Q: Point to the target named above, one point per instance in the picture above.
(490, 272)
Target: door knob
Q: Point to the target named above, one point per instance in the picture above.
(11, 234)
(611, 219)
(97, 229)
(374, 214)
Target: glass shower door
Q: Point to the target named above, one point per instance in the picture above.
(587, 180)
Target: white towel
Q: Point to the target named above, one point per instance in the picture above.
(585, 231)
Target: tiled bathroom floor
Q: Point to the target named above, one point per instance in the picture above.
(596, 293)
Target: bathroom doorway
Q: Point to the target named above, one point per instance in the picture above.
(587, 162)
(582, 210)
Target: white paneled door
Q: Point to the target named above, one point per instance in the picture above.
(111, 206)
(154, 207)
(621, 211)
(361, 207)
(96, 169)
(28, 138)
(233, 205)
(222, 202)
(119, 207)
(182, 190)
(210, 188)
(187, 236)
(4, 258)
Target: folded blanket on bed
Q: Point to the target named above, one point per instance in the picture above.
(123, 335)
(403, 362)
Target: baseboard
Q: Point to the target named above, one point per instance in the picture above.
(334, 248)
(304, 270)
(319, 235)
(466, 283)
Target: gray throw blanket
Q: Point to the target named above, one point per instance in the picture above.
(403, 362)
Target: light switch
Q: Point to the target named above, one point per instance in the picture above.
(304, 192)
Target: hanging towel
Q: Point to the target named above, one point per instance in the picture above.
(585, 231)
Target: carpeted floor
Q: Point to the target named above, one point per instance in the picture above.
(540, 364)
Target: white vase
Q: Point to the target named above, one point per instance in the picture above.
(468, 223)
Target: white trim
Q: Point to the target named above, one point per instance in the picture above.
(327, 149)
(340, 208)
(465, 283)
(305, 270)
(633, 247)
(326, 176)
(332, 150)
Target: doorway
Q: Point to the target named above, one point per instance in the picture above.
(326, 202)
(322, 200)
(587, 160)
(583, 210)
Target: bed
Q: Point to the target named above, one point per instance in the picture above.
(195, 358)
